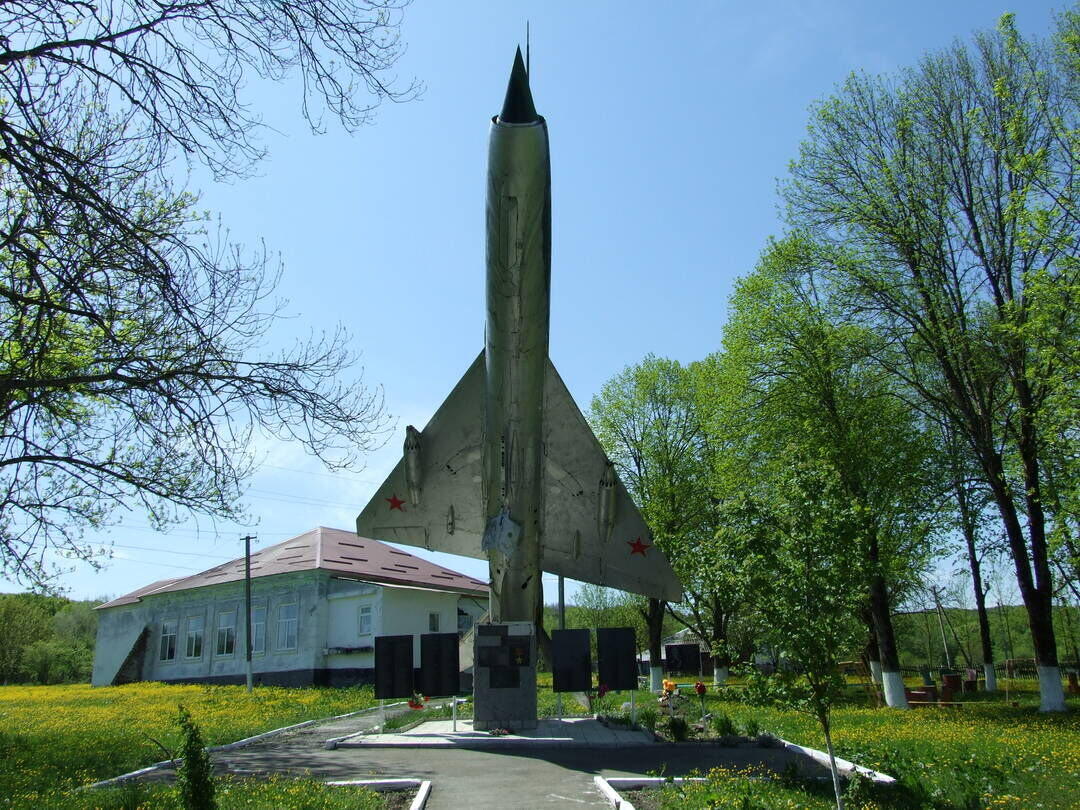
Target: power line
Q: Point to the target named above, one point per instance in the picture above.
(334, 476)
(169, 551)
(286, 497)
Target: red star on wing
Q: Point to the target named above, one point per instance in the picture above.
(396, 503)
(637, 547)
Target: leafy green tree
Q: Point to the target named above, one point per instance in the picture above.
(794, 377)
(805, 563)
(24, 618)
(647, 422)
(132, 367)
(952, 188)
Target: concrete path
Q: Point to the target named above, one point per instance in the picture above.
(552, 768)
(571, 732)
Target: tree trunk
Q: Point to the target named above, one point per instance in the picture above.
(719, 647)
(654, 620)
(967, 523)
(837, 790)
(1034, 590)
(873, 655)
(891, 680)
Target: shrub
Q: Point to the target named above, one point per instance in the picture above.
(677, 729)
(723, 725)
(648, 718)
(195, 776)
(750, 727)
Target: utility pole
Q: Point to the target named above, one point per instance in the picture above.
(247, 604)
(562, 604)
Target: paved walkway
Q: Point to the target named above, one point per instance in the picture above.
(550, 767)
(550, 733)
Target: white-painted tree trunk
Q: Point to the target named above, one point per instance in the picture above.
(875, 671)
(837, 791)
(991, 677)
(1051, 692)
(719, 675)
(893, 684)
(656, 679)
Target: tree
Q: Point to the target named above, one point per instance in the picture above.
(597, 606)
(796, 378)
(970, 499)
(195, 774)
(132, 367)
(24, 618)
(646, 421)
(954, 192)
(804, 562)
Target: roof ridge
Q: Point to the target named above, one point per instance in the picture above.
(335, 551)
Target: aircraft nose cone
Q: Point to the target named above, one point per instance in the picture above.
(518, 106)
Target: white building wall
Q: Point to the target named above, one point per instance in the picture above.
(344, 601)
(119, 627)
(327, 635)
(405, 611)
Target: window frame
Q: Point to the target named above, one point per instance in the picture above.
(196, 635)
(365, 611)
(258, 649)
(230, 634)
(175, 635)
(283, 622)
(434, 620)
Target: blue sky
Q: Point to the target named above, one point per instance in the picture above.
(670, 125)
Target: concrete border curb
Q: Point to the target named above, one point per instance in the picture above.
(844, 766)
(422, 788)
(481, 743)
(609, 788)
(378, 785)
(233, 745)
(420, 800)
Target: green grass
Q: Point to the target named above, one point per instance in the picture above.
(985, 754)
(56, 738)
(235, 794)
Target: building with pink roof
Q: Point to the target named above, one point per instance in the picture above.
(318, 601)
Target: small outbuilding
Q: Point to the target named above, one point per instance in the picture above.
(317, 603)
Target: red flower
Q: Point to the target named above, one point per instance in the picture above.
(699, 687)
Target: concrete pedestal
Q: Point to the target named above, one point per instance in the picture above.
(504, 676)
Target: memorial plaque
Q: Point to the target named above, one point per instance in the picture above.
(493, 656)
(571, 661)
(505, 677)
(682, 658)
(616, 658)
(519, 647)
(393, 666)
(439, 665)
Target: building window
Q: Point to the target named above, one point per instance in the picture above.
(194, 636)
(226, 633)
(258, 629)
(433, 622)
(364, 620)
(286, 638)
(168, 640)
